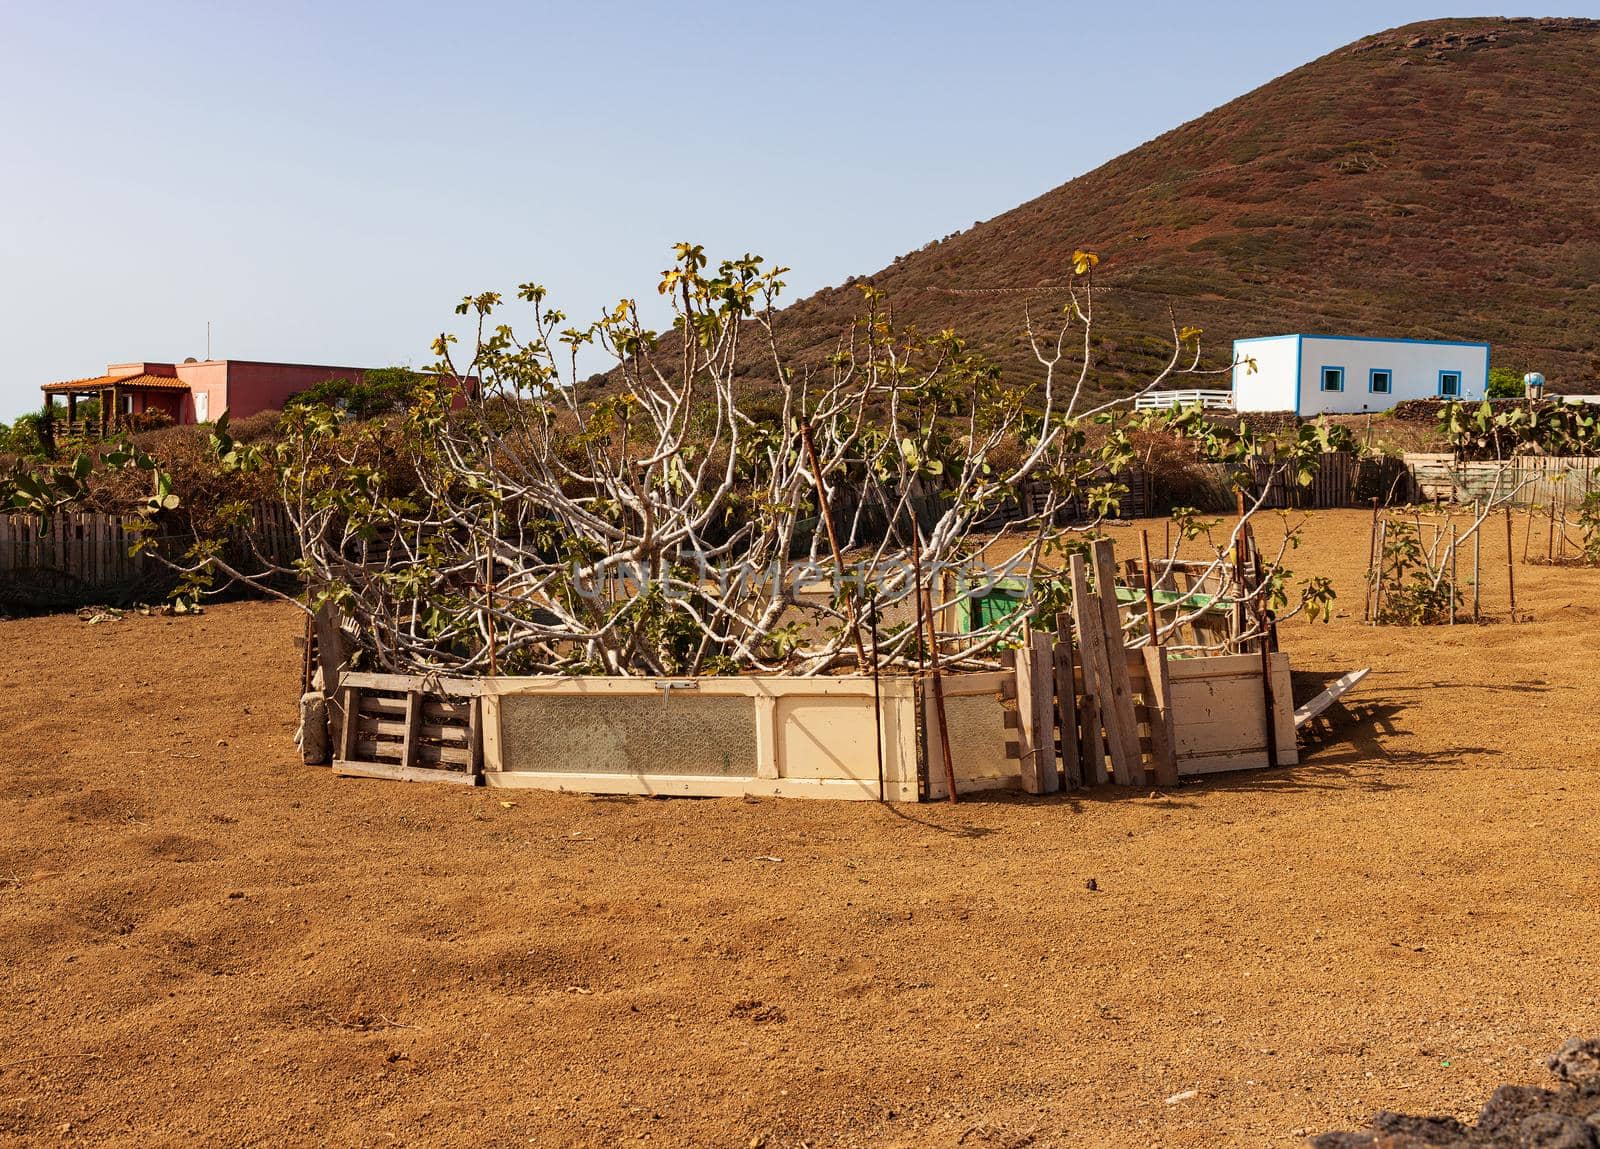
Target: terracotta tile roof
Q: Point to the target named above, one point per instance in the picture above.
(89, 383)
(97, 382)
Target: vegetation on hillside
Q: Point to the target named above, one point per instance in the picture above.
(1434, 181)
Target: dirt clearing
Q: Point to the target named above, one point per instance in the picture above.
(203, 940)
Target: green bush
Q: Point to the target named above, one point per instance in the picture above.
(1505, 383)
(383, 391)
(24, 438)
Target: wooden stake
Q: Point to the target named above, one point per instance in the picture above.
(1561, 547)
(1265, 625)
(926, 610)
(1067, 704)
(1477, 554)
(1116, 704)
(1377, 582)
(1511, 568)
(1027, 732)
(1158, 705)
(1154, 622)
(331, 656)
(1042, 715)
(308, 652)
(488, 610)
(1269, 619)
(1096, 673)
(1372, 554)
(1452, 574)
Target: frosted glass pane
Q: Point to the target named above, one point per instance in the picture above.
(629, 734)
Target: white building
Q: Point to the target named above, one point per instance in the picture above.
(1348, 374)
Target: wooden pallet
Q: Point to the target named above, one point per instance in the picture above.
(412, 735)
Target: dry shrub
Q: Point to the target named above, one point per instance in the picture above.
(1180, 478)
(257, 428)
(206, 493)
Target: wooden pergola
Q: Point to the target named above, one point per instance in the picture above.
(110, 391)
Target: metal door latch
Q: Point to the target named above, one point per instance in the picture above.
(668, 685)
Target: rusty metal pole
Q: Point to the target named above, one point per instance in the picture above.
(933, 661)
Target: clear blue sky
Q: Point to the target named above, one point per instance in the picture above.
(324, 180)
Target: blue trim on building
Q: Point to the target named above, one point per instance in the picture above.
(1235, 378)
(1299, 371)
(1322, 379)
(1370, 339)
(1373, 373)
(1460, 381)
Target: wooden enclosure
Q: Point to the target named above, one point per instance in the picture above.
(811, 737)
(1077, 708)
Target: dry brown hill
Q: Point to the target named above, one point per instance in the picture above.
(1438, 180)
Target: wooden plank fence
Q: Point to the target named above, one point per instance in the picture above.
(1550, 480)
(1190, 715)
(1138, 500)
(1081, 708)
(928, 503)
(73, 558)
(1333, 483)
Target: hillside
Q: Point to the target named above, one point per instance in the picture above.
(1440, 180)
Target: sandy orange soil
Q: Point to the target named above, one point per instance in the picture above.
(203, 941)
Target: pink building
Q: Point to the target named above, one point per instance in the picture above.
(193, 391)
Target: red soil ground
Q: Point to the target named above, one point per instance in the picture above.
(202, 940)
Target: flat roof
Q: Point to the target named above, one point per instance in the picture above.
(1365, 339)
